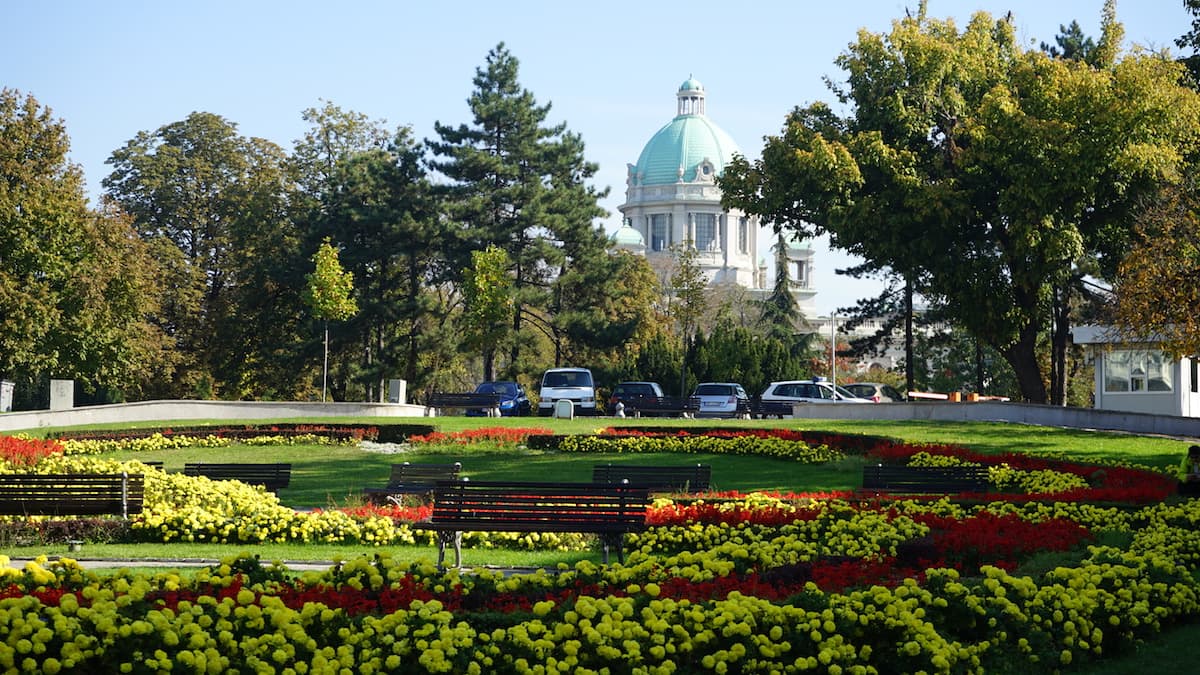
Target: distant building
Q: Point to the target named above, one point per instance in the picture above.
(1139, 377)
(671, 199)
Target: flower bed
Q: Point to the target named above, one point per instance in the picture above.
(724, 583)
(377, 432)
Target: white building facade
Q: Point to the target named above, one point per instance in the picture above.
(672, 200)
(1139, 377)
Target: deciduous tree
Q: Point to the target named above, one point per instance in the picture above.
(688, 303)
(1157, 287)
(76, 285)
(329, 294)
(977, 169)
(488, 304)
(196, 184)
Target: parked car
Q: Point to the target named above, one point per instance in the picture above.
(875, 391)
(809, 391)
(513, 402)
(721, 399)
(573, 384)
(632, 393)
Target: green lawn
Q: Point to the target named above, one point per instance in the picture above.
(324, 476)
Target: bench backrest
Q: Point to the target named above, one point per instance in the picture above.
(577, 507)
(464, 400)
(270, 476)
(917, 479)
(665, 404)
(76, 494)
(693, 478)
(420, 474)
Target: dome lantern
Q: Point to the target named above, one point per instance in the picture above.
(690, 97)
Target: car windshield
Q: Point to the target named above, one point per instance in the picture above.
(506, 388)
(567, 379)
(714, 390)
(846, 393)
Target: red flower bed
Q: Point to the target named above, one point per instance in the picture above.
(490, 434)
(27, 451)
(340, 432)
(1001, 540)
(1115, 483)
(406, 514)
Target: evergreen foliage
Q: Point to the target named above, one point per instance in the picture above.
(520, 184)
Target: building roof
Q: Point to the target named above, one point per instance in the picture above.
(677, 151)
(627, 236)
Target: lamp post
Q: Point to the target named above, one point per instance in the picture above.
(833, 349)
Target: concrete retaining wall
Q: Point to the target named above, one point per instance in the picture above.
(1020, 413)
(180, 411)
(986, 411)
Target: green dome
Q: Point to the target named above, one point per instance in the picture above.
(627, 236)
(685, 143)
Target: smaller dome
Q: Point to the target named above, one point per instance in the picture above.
(627, 236)
(691, 84)
(798, 243)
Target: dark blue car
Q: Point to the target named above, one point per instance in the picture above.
(513, 402)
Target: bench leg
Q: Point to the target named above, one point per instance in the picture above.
(613, 540)
(446, 537)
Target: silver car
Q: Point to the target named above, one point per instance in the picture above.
(721, 399)
(875, 391)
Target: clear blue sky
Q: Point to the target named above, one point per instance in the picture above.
(609, 69)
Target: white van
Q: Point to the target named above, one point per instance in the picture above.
(573, 384)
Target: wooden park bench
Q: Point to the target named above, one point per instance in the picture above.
(662, 406)
(692, 478)
(608, 511)
(72, 494)
(412, 479)
(924, 479)
(764, 409)
(273, 477)
(465, 401)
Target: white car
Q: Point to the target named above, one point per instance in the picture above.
(809, 391)
(721, 399)
(570, 384)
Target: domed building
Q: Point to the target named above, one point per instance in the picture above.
(672, 200)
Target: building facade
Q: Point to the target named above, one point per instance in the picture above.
(1139, 377)
(672, 200)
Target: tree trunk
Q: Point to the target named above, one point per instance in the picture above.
(979, 367)
(514, 353)
(683, 368)
(1058, 344)
(1022, 356)
(909, 371)
(414, 292)
(489, 365)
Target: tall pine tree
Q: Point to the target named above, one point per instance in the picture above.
(519, 184)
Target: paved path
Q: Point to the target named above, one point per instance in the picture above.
(293, 565)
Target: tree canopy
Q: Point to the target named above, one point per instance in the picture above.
(1157, 287)
(977, 169)
(76, 284)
